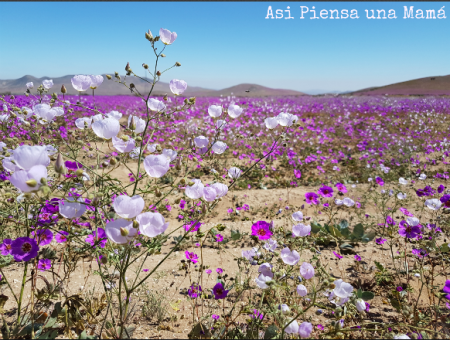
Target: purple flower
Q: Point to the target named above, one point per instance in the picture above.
(420, 253)
(320, 327)
(441, 189)
(325, 191)
(52, 207)
(390, 221)
(100, 239)
(406, 230)
(445, 200)
(219, 291)
(339, 256)
(257, 315)
(367, 307)
(191, 256)
(406, 212)
(297, 173)
(341, 187)
(311, 198)
(195, 225)
(208, 271)
(24, 249)
(44, 264)
(61, 236)
(145, 270)
(219, 271)
(262, 230)
(379, 181)
(73, 166)
(357, 257)
(219, 238)
(194, 291)
(446, 289)
(230, 211)
(427, 191)
(5, 247)
(215, 317)
(399, 289)
(43, 236)
(380, 240)
(182, 204)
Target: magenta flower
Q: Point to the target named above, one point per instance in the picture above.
(297, 173)
(420, 253)
(208, 271)
(441, 189)
(24, 249)
(145, 270)
(182, 204)
(5, 247)
(100, 239)
(339, 256)
(341, 187)
(192, 226)
(325, 191)
(219, 238)
(215, 317)
(406, 212)
(357, 257)
(311, 198)
(446, 289)
(230, 211)
(380, 240)
(194, 291)
(320, 327)
(191, 256)
(168, 207)
(219, 271)
(445, 201)
(219, 291)
(43, 236)
(262, 230)
(399, 289)
(379, 181)
(44, 264)
(61, 236)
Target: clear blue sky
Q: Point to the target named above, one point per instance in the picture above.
(221, 44)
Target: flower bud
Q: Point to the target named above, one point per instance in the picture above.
(165, 97)
(158, 73)
(60, 168)
(31, 183)
(195, 159)
(125, 138)
(113, 161)
(149, 36)
(132, 123)
(138, 139)
(135, 224)
(158, 193)
(79, 172)
(127, 68)
(178, 200)
(163, 55)
(332, 286)
(204, 208)
(43, 181)
(45, 190)
(221, 227)
(182, 181)
(178, 165)
(63, 89)
(192, 100)
(144, 65)
(158, 148)
(104, 260)
(191, 183)
(177, 64)
(108, 76)
(124, 232)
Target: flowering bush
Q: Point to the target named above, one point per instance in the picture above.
(65, 199)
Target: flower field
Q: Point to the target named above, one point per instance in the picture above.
(275, 218)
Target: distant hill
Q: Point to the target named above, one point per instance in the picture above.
(109, 87)
(436, 85)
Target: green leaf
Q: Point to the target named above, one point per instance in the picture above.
(315, 227)
(395, 304)
(345, 232)
(379, 266)
(358, 231)
(235, 235)
(343, 224)
(445, 248)
(335, 232)
(346, 246)
(271, 332)
(359, 293)
(50, 323)
(52, 334)
(369, 236)
(366, 296)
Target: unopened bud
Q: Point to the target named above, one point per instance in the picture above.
(178, 165)
(135, 224)
(132, 123)
(158, 148)
(45, 190)
(138, 139)
(104, 260)
(127, 68)
(149, 35)
(79, 172)
(31, 183)
(191, 183)
(178, 200)
(158, 193)
(63, 89)
(43, 181)
(192, 100)
(125, 138)
(108, 76)
(195, 159)
(124, 232)
(204, 208)
(177, 64)
(113, 161)
(60, 168)
(158, 73)
(183, 181)
(165, 97)
(144, 65)
(163, 55)
(332, 286)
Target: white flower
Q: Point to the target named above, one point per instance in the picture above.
(262, 280)
(195, 191)
(81, 82)
(401, 336)
(123, 146)
(215, 110)
(177, 86)
(219, 147)
(290, 257)
(156, 105)
(106, 128)
(221, 189)
(152, 224)
(44, 112)
(348, 202)
(271, 122)
(360, 305)
(114, 114)
(81, 123)
(51, 150)
(342, 289)
(26, 156)
(128, 207)
(433, 204)
(201, 141)
(152, 147)
(96, 81)
(301, 290)
(209, 194)
(71, 209)
(97, 117)
(48, 83)
(412, 221)
(301, 230)
(29, 180)
(234, 111)
(234, 172)
(270, 245)
(166, 36)
(401, 196)
(297, 216)
(220, 124)
(30, 85)
(138, 122)
(156, 165)
(422, 176)
(170, 154)
(120, 231)
(338, 201)
(266, 269)
(286, 119)
(292, 328)
(284, 308)
(403, 181)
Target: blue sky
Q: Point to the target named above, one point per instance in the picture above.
(221, 44)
